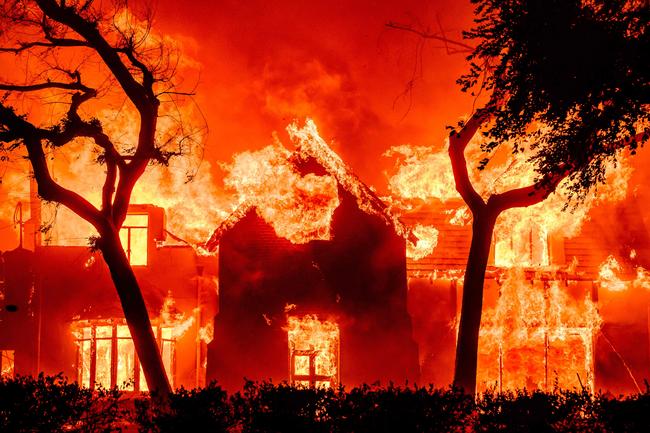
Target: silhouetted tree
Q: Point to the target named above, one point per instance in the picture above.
(566, 81)
(569, 81)
(78, 53)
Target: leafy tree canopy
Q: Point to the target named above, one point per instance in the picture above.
(568, 79)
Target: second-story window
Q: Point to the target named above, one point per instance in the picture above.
(526, 247)
(134, 236)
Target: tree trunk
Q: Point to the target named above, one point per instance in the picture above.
(135, 313)
(472, 304)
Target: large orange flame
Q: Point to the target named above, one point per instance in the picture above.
(537, 335)
(299, 208)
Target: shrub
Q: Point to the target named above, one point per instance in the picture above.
(199, 409)
(51, 404)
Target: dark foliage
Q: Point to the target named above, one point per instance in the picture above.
(201, 409)
(50, 404)
(581, 68)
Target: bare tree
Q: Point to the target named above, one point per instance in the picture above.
(66, 47)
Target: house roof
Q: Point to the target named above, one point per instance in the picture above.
(580, 255)
(452, 249)
(312, 148)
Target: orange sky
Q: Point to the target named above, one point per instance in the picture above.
(266, 63)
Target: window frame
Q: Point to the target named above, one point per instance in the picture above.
(80, 338)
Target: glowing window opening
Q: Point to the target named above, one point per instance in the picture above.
(134, 237)
(528, 247)
(314, 352)
(7, 363)
(106, 355)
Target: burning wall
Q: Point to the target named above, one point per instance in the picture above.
(75, 322)
(544, 321)
(357, 279)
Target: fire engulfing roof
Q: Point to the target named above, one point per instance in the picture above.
(312, 149)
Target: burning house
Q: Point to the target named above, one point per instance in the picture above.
(320, 284)
(61, 312)
(315, 297)
(555, 311)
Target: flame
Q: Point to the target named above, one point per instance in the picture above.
(521, 234)
(96, 338)
(537, 334)
(174, 319)
(184, 188)
(427, 241)
(312, 145)
(299, 208)
(206, 333)
(422, 174)
(315, 343)
(191, 206)
(609, 276)
(7, 359)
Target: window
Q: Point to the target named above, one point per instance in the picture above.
(134, 237)
(106, 355)
(7, 358)
(313, 352)
(528, 247)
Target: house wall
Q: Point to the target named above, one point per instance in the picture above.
(358, 279)
(621, 347)
(72, 283)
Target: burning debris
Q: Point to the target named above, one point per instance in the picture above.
(610, 275)
(427, 239)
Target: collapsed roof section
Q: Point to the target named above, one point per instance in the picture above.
(313, 149)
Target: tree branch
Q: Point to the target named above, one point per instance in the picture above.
(527, 196)
(67, 16)
(48, 189)
(540, 190)
(147, 76)
(109, 187)
(458, 142)
(54, 43)
(43, 86)
(463, 48)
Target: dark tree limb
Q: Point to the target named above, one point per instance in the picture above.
(53, 43)
(458, 142)
(425, 34)
(44, 86)
(48, 189)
